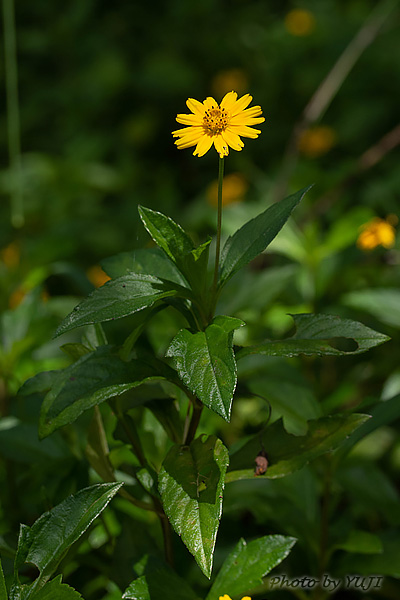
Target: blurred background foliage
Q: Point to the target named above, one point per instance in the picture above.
(99, 87)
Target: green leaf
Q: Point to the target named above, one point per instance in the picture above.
(382, 303)
(46, 542)
(56, 590)
(192, 262)
(167, 234)
(245, 567)
(146, 261)
(3, 589)
(288, 395)
(116, 299)
(325, 335)
(382, 413)
(94, 378)
(191, 483)
(288, 453)
(158, 581)
(75, 350)
(255, 235)
(361, 542)
(206, 363)
(19, 441)
(386, 563)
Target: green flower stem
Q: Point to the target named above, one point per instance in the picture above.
(218, 245)
(13, 121)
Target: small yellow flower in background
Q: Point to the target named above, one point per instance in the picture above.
(233, 190)
(97, 276)
(317, 141)
(377, 232)
(10, 255)
(300, 22)
(219, 124)
(231, 79)
(226, 597)
(17, 296)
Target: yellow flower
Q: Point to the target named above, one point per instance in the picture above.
(10, 255)
(317, 141)
(233, 190)
(226, 597)
(300, 22)
(97, 276)
(231, 79)
(221, 125)
(377, 232)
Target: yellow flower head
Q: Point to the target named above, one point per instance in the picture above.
(10, 255)
(226, 597)
(376, 232)
(219, 124)
(233, 190)
(230, 79)
(317, 141)
(300, 22)
(97, 276)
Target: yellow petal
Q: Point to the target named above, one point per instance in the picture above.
(241, 104)
(203, 145)
(189, 119)
(209, 103)
(232, 139)
(221, 146)
(228, 100)
(187, 130)
(244, 131)
(241, 120)
(195, 106)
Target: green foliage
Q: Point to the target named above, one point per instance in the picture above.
(320, 334)
(254, 237)
(157, 580)
(47, 541)
(194, 369)
(248, 563)
(191, 484)
(206, 363)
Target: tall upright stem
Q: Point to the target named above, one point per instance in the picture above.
(13, 124)
(219, 222)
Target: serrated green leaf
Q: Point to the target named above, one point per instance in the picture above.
(288, 453)
(319, 334)
(191, 483)
(245, 567)
(94, 378)
(46, 542)
(167, 234)
(118, 298)
(255, 235)
(56, 590)
(158, 581)
(192, 262)
(145, 261)
(206, 364)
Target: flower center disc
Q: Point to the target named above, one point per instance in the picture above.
(215, 120)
